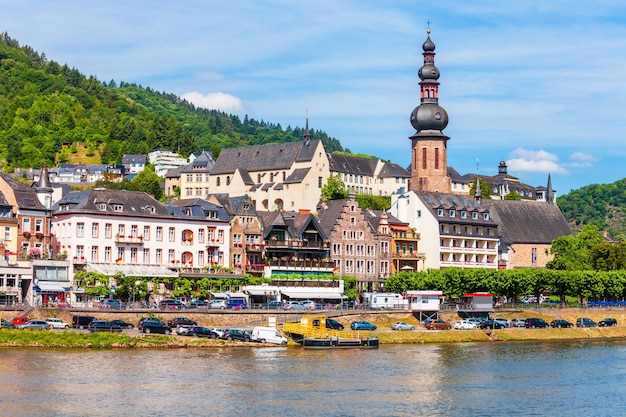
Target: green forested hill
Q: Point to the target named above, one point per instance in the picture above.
(603, 205)
(44, 106)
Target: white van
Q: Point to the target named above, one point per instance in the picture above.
(267, 335)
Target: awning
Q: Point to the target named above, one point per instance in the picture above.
(132, 270)
(261, 290)
(51, 287)
(226, 295)
(312, 294)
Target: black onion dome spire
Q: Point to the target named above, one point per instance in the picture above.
(429, 118)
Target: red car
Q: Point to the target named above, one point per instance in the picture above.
(20, 320)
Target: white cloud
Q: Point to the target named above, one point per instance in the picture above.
(581, 160)
(215, 101)
(534, 161)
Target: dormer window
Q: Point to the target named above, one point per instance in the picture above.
(451, 213)
(464, 214)
(485, 216)
(474, 215)
(439, 212)
(118, 207)
(102, 206)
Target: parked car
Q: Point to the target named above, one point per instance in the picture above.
(465, 325)
(217, 304)
(179, 321)
(103, 326)
(171, 304)
(267, 335)
(123, 324)
(330, 324)
(400, 325)
(272, 305)
(220, 332)
(144, 320)
(585, 322)
(502, 321)
(294, 305)
(7, 325)
(437, 324)
(56, 323)
(200, 331)
(236, 334)
(475, 320)
(518, 322)
(183, 330)
(607, 322)
(362, 325)
(81, 322)
(236, 303)
(308, 304)
(34, 325)
(536, 323)
(155, 326)
(20, 320)
(198, 304)
(491, 324)
(560, 323)
(113, 304)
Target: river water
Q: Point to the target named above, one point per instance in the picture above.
(573, 378)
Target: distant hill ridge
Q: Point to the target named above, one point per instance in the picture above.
(44, 105)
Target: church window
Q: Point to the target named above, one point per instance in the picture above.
(423, 158)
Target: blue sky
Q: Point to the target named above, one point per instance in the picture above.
(538, 84)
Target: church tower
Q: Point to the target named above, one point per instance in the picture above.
(429, 156)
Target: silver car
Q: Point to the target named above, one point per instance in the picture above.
(294, 305)
(35, 325)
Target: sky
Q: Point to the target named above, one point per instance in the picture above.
(539, 84)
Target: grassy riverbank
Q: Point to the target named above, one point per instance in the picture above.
(72, 339)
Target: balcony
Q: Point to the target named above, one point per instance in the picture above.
(408, 255)
(213, 243)
(255, 247)
(294, 244)
(129, 240)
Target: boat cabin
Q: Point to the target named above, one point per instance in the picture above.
(425, 304)
(478, 304)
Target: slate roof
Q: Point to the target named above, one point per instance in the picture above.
(134, 159)
(197, 208)
(173, 172)
(203, 163)
(295, 223)
(447, 201)
(351, 164)
(134, 203)
(275, 156)
(328, 213)
(391, 170)
(297, 176)
(526, 222)
(25, 196)
(235, 206)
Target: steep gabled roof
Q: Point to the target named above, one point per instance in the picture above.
(275, 156)
(25, 196)
(391, 170)
(524, 222)
(349, 164)
(328, 212)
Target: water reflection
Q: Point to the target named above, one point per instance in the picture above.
(572, 378)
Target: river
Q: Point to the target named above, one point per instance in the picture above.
(573, 378)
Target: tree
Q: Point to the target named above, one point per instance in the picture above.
(485, 190)
(513, 195)
(334, 189)
(573, 253)
(148, 182)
